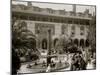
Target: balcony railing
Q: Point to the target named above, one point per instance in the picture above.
(45, 11)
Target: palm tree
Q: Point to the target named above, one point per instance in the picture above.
(22, 37)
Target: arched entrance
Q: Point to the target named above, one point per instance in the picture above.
(44, 44)
(76, 42)
(82, 42)
(87, 43)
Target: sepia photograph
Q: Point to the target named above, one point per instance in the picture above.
(52, 37)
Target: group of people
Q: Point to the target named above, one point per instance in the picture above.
(77, 62)
(83, 60)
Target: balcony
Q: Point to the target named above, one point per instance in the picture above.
(49, 11)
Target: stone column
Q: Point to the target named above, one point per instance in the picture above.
(49, 48)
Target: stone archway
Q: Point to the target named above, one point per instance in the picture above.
(87, 43)
(76, 42)
(82, 42)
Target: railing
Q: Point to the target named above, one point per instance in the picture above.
(46, 12)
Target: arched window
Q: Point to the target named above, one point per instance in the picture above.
(82, 42)
(44, 44)
(76, 42)
(87, 43)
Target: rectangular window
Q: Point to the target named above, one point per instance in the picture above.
(73, 31)
(82, 30)
(87, 22)
(23, 17)
(72, 34)
(76, 22)
(81, 33)
(69, 21)
(33, 18)
(73, 28)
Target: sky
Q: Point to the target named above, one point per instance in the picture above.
(67, 7)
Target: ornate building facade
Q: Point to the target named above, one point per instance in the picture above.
(71, 25)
